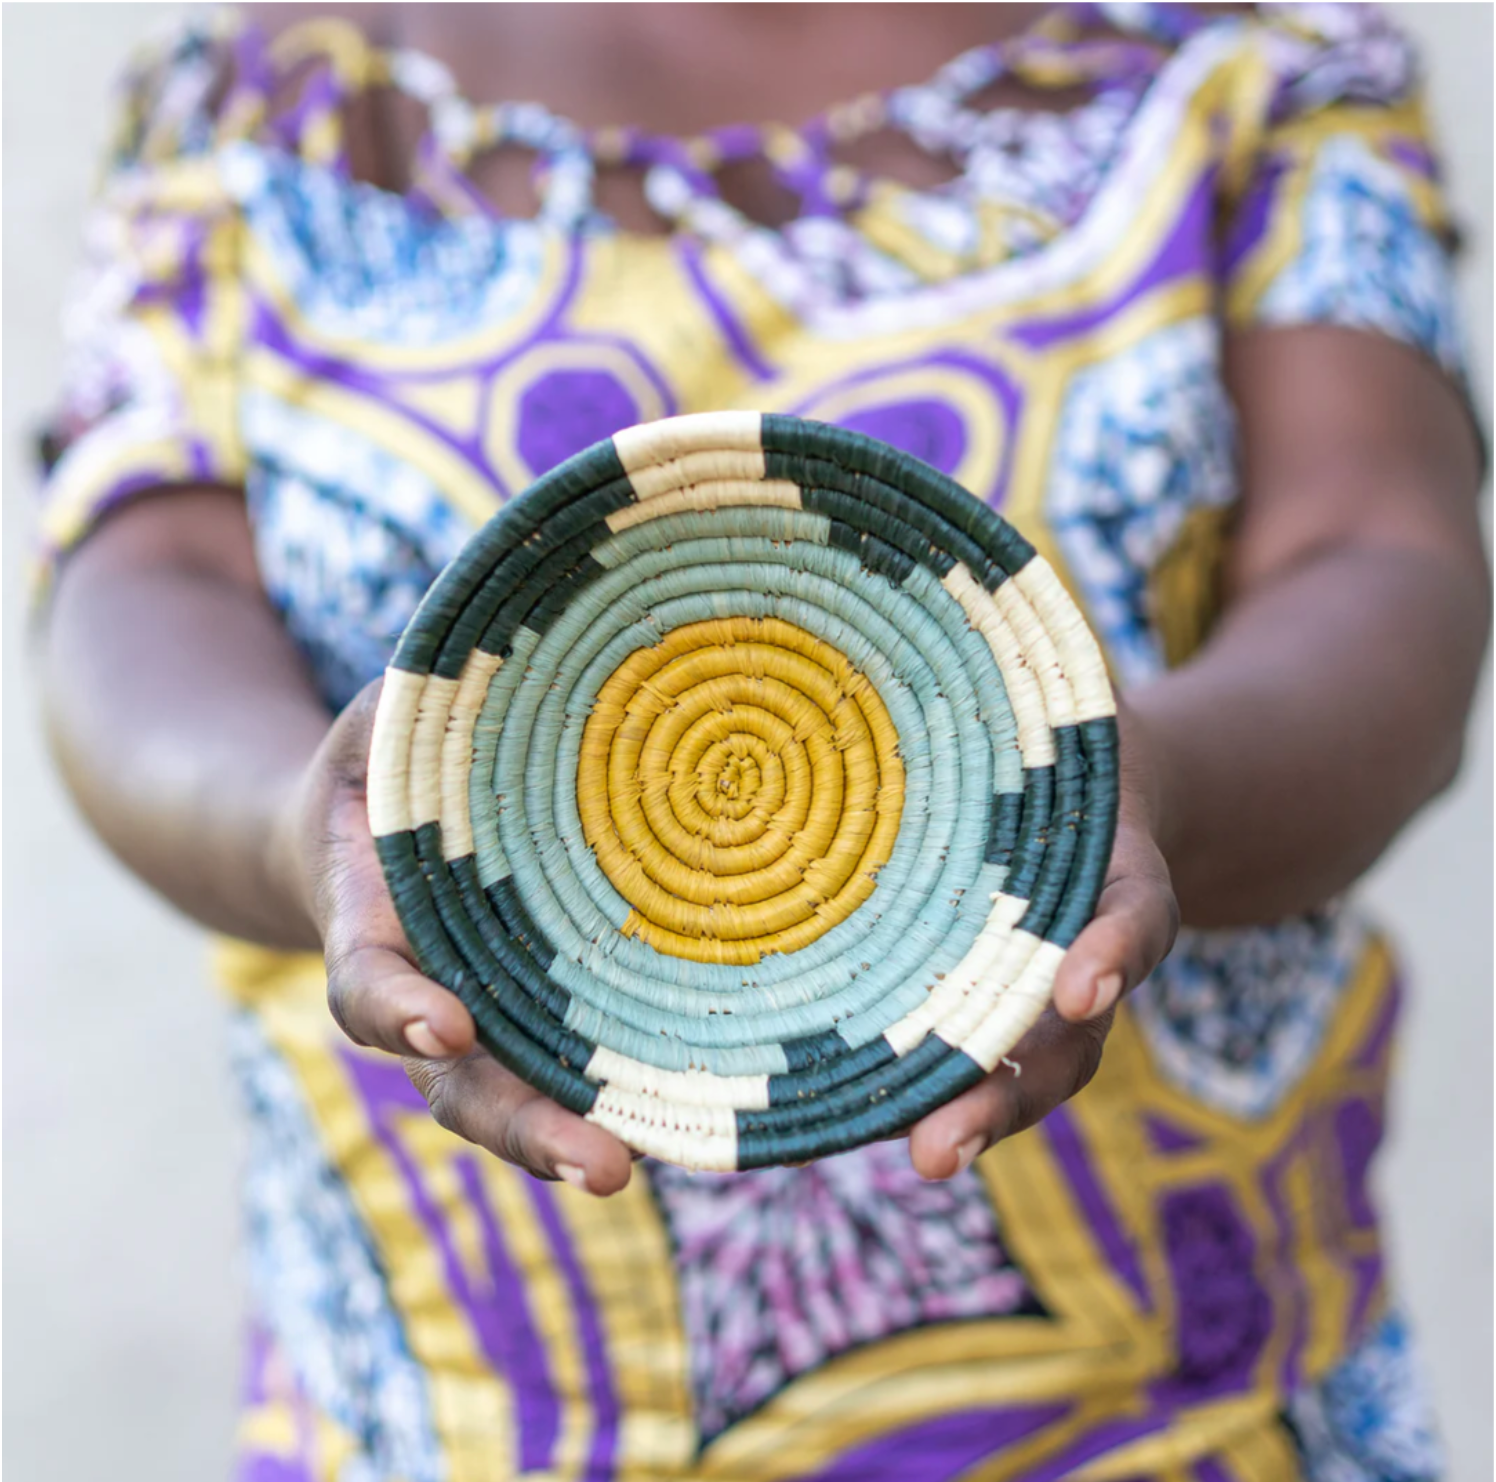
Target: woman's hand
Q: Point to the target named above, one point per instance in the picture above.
(381, 999)
(1132, 932)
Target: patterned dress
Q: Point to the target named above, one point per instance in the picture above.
(1178, 1275)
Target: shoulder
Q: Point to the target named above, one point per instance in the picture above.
(1316, 53)
(211, 76)
(1322, 54)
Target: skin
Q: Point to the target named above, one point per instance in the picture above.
(1260, 778)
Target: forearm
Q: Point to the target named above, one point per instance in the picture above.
(183, 722)
(1324, 712)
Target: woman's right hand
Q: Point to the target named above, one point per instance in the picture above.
(380, 998)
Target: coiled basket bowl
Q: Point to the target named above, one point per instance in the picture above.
(747, 779)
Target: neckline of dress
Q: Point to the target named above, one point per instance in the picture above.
(770, 254)
(679, 170)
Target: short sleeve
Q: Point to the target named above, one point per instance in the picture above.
(1340, 217)
(152, 326)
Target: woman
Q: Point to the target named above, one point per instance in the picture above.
(1168, 287)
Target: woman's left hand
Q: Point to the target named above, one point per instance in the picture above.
(1131, 933)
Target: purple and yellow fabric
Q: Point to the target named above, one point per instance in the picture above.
(1177, 1276)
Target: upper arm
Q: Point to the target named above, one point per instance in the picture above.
(1358, 541)
(201, 529)
(137, 558)
(1349, 439)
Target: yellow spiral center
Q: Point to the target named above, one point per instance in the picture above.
(741, 787)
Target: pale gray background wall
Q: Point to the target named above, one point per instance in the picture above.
(122, 1282)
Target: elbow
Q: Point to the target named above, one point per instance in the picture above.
(1445, 770)
(1465, 663)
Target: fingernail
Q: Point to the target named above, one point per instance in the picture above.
(421, 1039)
(576, 1177)
(1108, 991)
(966, 1154)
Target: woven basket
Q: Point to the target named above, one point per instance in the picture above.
(747, 779)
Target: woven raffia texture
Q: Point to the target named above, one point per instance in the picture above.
(747, 779)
